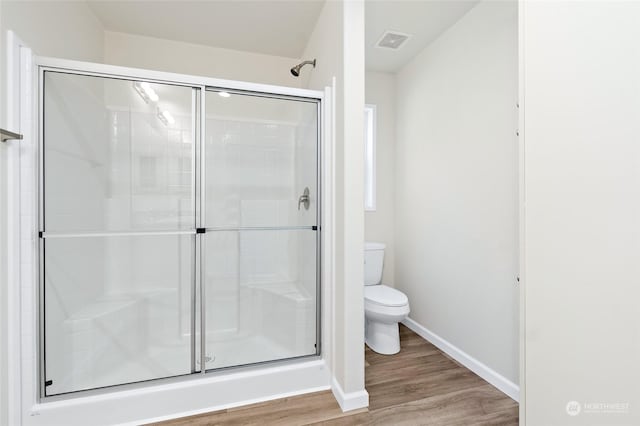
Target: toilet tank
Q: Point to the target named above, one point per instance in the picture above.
(373, 261)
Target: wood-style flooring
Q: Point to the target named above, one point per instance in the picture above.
(419, 386)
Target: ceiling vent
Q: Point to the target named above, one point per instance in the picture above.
(392, 40)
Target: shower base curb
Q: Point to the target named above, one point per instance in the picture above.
(186, 398)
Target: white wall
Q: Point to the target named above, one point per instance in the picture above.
(3, 293)
(379, 224)
(64, 29)
(337, 42)
(174, 56)
(582, 229)
(456, 186)
(2, 86)
(3, 245)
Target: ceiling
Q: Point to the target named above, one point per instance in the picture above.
(280, 27)
(424, 20)
(271, 27)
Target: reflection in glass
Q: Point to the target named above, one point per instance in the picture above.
(120, 288)
(111, 162)
(118, 310)
(260, 296)
(260, 155)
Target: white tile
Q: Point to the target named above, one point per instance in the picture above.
(26, 204)
(28, 324)
(27, 251)
(27, 274)
(26, 300)
(28, 346)
(28, 380)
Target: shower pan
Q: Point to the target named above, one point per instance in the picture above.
(179, 229)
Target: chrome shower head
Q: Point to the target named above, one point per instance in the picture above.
(296, 70)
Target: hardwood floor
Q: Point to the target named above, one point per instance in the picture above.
(419, 386)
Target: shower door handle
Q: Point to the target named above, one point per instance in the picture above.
(304, 199)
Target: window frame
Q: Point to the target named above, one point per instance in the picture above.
(370, 130)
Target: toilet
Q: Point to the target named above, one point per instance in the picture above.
(384, 307)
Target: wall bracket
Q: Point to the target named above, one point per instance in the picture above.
(6, 135)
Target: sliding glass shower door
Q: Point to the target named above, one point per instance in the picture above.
(260, 211)
(178, 225)
(118, 231)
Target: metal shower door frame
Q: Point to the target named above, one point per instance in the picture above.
(317, 227)
(199, 86)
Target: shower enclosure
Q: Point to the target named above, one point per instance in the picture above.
(179, 229)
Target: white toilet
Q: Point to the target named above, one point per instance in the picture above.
(384, 307)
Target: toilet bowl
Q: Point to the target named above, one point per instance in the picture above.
(384, 307)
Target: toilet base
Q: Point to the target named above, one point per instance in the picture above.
(382, 338)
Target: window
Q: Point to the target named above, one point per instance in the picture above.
(370, 158)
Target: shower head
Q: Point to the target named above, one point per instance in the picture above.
(296, 70)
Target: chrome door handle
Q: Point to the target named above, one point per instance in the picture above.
(304, 199)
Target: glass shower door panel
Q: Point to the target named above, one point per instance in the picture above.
(118, 231)
(260, 246)
(261, 154)
(261, 296)
(117, 310)
(118, 155)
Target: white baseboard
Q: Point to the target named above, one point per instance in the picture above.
(494, 378)
(349, 401)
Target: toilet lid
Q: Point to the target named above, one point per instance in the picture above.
(383, 295)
